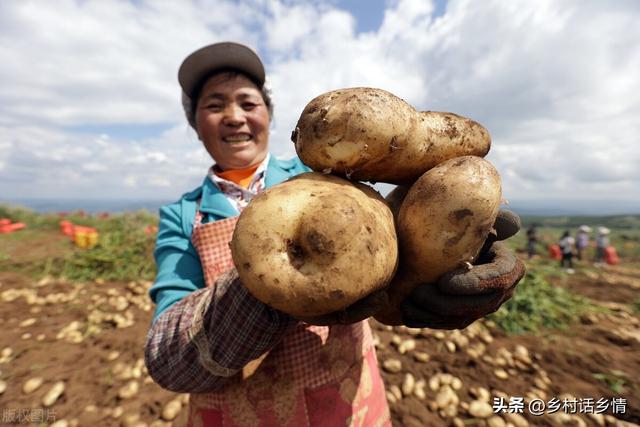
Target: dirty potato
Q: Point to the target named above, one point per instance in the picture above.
(315, 244)
(370, 134)
(395, 197)
(442, 223)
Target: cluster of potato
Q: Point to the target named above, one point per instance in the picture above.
(105, 309)
(321, 241)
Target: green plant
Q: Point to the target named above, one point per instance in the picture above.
(120, 255)
(29, 217)
(614, 379)
(538, 304)
(124, 251)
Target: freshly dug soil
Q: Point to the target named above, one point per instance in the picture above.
(91, 337)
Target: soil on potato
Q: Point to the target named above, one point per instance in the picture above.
(91, 337)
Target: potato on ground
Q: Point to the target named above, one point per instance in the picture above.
(315, 244)
(370, 134)
(442, 223)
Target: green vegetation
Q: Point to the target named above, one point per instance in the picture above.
(20, 214)
(614, 379)
(51, 221)
(124, 251)
(538, 305)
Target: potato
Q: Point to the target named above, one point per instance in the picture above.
(395, 197)
(442, 223)
(369, 134)
(315, 244)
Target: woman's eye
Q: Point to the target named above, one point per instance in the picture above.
(214, 107)
(249, 106)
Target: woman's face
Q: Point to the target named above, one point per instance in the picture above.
(232, 121)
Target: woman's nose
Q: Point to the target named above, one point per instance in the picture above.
(233, 115)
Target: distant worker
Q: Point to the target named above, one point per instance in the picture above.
(532, 239)
(582, 240)
(602, 242)
(566, 244)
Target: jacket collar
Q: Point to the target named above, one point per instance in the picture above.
(276, 173)
(214, 201)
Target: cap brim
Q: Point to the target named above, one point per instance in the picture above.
(219, 56)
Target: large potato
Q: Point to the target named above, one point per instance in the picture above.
(370, 134)
(315, 244)
(442, 223)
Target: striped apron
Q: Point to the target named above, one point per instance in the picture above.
(320, 376)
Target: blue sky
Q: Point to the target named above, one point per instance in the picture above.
(370, 14)
(89, 105)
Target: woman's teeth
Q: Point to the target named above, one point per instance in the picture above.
(237, 138)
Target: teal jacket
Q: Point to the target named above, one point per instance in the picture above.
(179, 268)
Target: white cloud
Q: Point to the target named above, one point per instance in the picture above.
(130, 181)
(554, 82)
(159, 181)
(94, 167)
(43, 162)
(290, 26)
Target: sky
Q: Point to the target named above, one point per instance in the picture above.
(90, 104)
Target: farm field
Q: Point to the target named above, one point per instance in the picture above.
(74, 320)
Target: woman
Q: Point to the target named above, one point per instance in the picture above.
(532, 240)
(244, 362)
(582, 240)
(602, 243)
(566, 244)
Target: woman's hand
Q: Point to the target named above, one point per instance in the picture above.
(465, 295)
(459, 297)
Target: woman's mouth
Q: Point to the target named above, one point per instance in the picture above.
(237, 138)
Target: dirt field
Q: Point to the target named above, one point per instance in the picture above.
(90, 337)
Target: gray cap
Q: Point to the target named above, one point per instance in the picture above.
(219, 56)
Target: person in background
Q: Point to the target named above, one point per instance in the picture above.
(602, 242)
(582, 241)
(243, 362)
(566, 244)
(532, 240)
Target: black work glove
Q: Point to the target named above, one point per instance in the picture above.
(360, 310)
(464, 295)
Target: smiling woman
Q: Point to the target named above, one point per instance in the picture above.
(232, 121)
(210, 336)
(244, 361)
